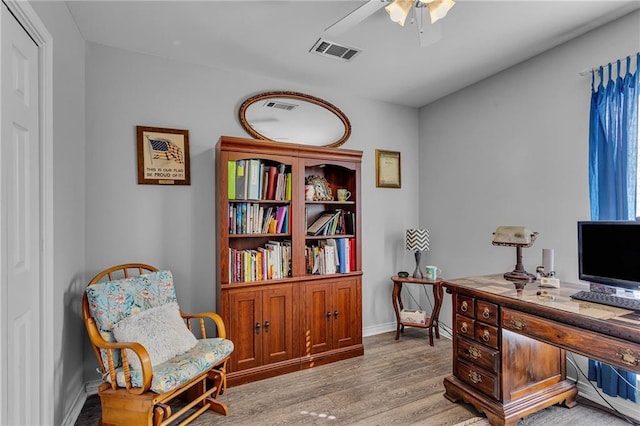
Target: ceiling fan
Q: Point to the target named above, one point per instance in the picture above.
(417, 11)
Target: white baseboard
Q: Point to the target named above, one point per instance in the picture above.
(624, 406)
(91, 388)
(378, 329)
(78, 402)
(391, 326)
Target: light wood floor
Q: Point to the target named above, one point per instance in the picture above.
(394, 383)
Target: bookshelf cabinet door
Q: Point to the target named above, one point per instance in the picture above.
(318, 315)
(277, 323)
(245, 328)
(347, 318)
(332, 315)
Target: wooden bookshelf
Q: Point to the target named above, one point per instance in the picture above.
(303, 316)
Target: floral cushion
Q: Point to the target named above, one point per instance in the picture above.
(184, 367)
(113, 301)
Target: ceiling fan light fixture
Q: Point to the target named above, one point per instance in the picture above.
(399, 10)
(438, 9)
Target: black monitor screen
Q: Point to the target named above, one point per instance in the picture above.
(609, 253)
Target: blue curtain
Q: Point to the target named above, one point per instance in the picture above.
(613, 153)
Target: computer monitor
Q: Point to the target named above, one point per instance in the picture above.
(609, 253)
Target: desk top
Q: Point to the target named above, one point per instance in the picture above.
(554, 304)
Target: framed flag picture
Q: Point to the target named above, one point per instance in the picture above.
(163, 156)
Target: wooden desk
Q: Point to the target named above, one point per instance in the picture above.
(432, 321)
(509, 346)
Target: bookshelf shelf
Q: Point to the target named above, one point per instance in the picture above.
(346, 203)
(293, 302)
(254, 235)
(278, 202)
(324, 237)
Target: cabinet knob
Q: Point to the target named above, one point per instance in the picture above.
(464, 307)
(475, 377)
(335, 314)
(328, 315)
(486, 313)
(266, 326)
(474, 353)
(627, 356)
(464, 327)
(518, 323)
(486, 335)
(257, 328)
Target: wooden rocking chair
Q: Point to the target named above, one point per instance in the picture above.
(142, 396)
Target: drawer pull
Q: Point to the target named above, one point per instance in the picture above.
(518, 323)
(464, 307)
(474, 353)
(475, 377)
(628, 357)
(464, 327)
(486, 336)
(486, 313)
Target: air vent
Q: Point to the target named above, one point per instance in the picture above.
(280, 105)
(333, 50)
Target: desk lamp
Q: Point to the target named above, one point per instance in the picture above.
(418, 240)
(518, 237)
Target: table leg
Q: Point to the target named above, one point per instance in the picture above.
(395, 298)
(438, 296)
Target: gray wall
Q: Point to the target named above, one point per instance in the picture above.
(463, 157)
(68, 203)
(513, 150)
(174, 227)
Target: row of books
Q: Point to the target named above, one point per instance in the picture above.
(273, 261)
(255, 180)
(333, 222)
(331, 256)
(254, 218)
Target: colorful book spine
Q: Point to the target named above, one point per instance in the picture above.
(231, 180)
(241, 187)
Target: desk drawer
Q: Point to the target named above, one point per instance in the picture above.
(600, 346)
(475, 353)
(465, 326)
(487, 312)
(465, 306)
(487, 334)
(481, 380)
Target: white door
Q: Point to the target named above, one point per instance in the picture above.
(20, 370)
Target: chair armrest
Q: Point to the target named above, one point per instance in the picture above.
(217, 319)
(98, 343)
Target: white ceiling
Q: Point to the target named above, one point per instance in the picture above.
(273, 38)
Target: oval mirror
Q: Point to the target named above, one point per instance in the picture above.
(294, 117)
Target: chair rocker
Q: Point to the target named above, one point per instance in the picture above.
(172, 358)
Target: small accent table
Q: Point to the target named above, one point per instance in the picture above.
(431, 321)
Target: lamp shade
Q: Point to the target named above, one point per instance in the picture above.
(417, 239)
(512, 235)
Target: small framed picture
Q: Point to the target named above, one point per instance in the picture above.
(163, 156)
(387, 169)
(322, 189)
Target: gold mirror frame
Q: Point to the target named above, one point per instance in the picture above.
(242, 114)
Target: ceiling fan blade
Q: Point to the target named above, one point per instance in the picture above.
(354, 18)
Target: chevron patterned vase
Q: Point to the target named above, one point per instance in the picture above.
(418, 240)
